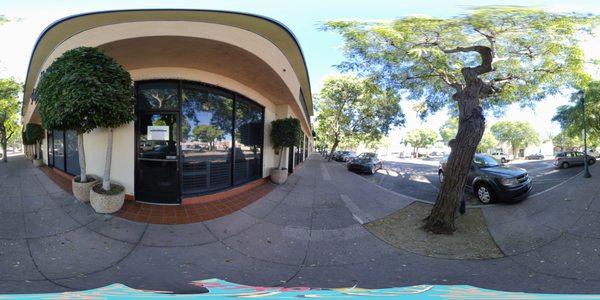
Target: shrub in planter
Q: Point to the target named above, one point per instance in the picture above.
(82, 90)
(34, 133)
(285, 133)
(26, 144)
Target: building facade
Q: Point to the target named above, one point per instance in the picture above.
(207, 86)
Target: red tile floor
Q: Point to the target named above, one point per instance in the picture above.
(196, 211)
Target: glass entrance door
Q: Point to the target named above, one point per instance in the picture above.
(157, 178)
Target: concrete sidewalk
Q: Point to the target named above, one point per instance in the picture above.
(307, 232)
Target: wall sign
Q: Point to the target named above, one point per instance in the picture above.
(158, 133)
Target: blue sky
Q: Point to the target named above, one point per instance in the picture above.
(321, 49)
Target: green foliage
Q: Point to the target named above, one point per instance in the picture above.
(534, 53)
(449, 129)
(565, 141)
(519, 134)
(285, 133)
(207, 134)
(488, 142)
(85, 89)
(9, 110)
(34, 133)
(421, 138)
(570, 116)
(351, 110)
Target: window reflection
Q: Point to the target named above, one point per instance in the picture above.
(158, 95)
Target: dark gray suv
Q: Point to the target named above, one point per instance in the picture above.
(493, 181)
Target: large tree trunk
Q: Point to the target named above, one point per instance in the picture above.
(106, 177)
(335, 144)
(81, 152)
(463, 147)
(515, 151)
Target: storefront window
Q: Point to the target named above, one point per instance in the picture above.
(220, 143)
(62, 151)
(206, 139)
(72, 153)
(248, 141)
(59, 149)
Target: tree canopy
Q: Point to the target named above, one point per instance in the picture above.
(524, 54)
(421, 138)
(566, 142)
(352, 110)
(9, 112)
(85, 89)
(488, 142)
(519, 134)
(448, 129)
(570, 116)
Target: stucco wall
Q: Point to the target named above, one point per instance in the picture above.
(122, 165)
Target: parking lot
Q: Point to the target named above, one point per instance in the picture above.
(418, 178)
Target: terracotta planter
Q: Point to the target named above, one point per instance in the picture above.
(81, 190)
(38, 163)
(279, 176)
(107, 203)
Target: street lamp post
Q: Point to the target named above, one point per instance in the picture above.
(586, 170)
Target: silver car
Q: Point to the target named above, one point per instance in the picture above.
(571, 158)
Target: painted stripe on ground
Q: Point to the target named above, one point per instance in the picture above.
(358, 215)
(325, 173)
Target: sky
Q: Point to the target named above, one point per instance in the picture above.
(321, 49)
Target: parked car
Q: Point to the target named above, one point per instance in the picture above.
(347, 156)
(435, 155)
(572, 158)
(502, 157)
(335, 154)
(367, 162)
(340, 155)
(537, 156)
(492, 181)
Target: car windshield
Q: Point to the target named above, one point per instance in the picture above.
(485, 161)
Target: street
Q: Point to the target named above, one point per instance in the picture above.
(419, 178)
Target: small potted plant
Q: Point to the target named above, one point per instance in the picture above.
(34, 133)
(284, 134)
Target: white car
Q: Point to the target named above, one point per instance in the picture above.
(503, 157)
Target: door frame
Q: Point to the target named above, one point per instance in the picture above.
(136, 129)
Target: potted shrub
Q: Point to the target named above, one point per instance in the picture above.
(26, 145)
(34, 134)
(284, 134)
(83, 90)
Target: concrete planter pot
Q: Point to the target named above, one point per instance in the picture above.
(107, 202)
(37, 163)
(81, 190)
(279, 176)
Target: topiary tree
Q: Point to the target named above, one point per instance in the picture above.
(34, 134)
(85, 89)
(285, 133)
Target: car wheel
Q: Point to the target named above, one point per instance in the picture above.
(484, 194)
(591, 161)
(441, 176)
(564, 165)
(503, 160)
